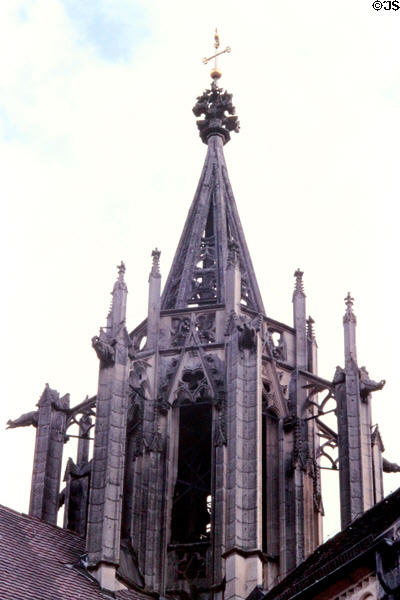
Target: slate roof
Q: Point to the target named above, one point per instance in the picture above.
(37, 563)
(351, 543)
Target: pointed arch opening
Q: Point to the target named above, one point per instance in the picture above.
(270, 475)
(191, 509)
(192, 506)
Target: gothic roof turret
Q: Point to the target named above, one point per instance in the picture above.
(197, 275)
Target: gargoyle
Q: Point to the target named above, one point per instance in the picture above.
(105, 351)
(30, 418)
(339, 376)
(367, 385)
(389, 467)
(247, 338)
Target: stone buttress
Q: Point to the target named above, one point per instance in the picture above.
(106, 487)
(359, 447)
(51, 418)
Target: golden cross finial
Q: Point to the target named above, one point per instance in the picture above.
(216, 73)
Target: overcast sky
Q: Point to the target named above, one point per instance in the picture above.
(100, 158)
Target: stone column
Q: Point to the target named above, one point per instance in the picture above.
(50, 438)
(296, 436)
(244, 566)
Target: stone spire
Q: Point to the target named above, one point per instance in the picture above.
(312, 347)
(299, 320)
(310, 328)
(198, 273)
(117, 311)
(349, 324)
(153, 316)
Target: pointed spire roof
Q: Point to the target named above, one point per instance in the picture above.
(117, 312)
(197, 275)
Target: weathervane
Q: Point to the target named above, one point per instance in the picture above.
(216, 73)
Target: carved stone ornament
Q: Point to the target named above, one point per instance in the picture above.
(193, 387)
(189, 563)
(299, 286)
(268, 397)
(215, 369)
(315, 474)
(30, 418)
(248, 336)
(163, 404)
(277, 347)
(367, 385)
(349, 316)
(138, 370)
(205, 327)
(389, 467)
(233, 253)
(214, 103)
(339, 376)
(180, 330)
(135, 420)
(231, 323)
(104, 349)
(298, 458)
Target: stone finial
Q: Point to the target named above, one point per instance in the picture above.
(155, 267)
(233, 253)
(299, 287)
(349, 314)
(117, 312)
(120, 283)
(214, 103)
(310, 328)
(121, 270)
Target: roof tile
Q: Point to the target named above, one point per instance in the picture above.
(36, 562)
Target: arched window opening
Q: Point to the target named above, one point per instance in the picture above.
(192, 501)
(270, 483)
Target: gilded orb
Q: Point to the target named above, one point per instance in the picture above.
(215, 73)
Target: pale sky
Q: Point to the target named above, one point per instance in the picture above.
(100, 158)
